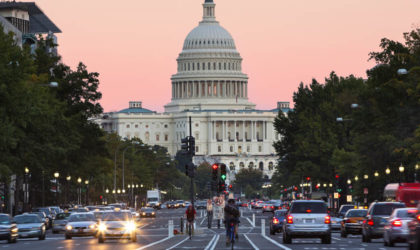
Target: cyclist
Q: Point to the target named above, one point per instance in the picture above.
(190, 214)
(231, 216)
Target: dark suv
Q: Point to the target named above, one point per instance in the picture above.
(376, 218)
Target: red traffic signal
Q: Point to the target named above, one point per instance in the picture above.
(295, 188)
(230, 186)
(214, 166)
(337, 176)
(308, 178)
(101, 197)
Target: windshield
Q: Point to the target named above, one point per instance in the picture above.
(45, 210)
(4, 219)
(40, 214)
(81, 217)
(147, 210)
(345, 208)
(406, 214)
(356, 213)
(152, 199)
(116, 216)
(25, 219)
(309, 207)
(280, 213)
(62, 216)
(386, 209)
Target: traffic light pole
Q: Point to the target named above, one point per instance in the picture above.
(192, 177)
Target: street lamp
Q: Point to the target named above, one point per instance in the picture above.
(56, 175)
(68, 178)
(107, 191)
(349, 181)
(387, 171)
(401, 169)
(26, 190)
(376, 174)
(87, 192)
(123, 163)
(416, 168)
(113, 191)
(79, 198)
(365, 176)
(356, 178)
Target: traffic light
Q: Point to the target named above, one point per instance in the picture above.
(223, 172)
(101, 197)
(337, 176)
(185, 145)
(191, 145)
(308, 178)
(189, 169)
(230, 187)
(222, 187)
(214, 175)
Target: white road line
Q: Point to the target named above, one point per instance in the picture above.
(154, 243)
(252, 243)
(211, 242)
(202, 220)
(143, 226)
(215, 242)
(335, 238)
(275, 242)
(179, 243)
(250, 222)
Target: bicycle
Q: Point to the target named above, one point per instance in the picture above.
(231, 234)
(190, 228)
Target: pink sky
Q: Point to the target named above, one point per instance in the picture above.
(134, 44)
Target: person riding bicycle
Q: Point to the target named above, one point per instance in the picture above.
(190, 214)
(231, 216)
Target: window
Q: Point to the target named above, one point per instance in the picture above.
(251, 165)
(240, 149)
(197, 136)
(208, 66)
(214, 66)
(219, 149)
(260, 149)
(166, 137)
(198, 66)
(128, 126)
(232, 166)
(220, 66)
(261, 166)
(270, 166)
(241, 165)
(248, 149)
(224, 66)
(157, 137)
(136, 126)
(196, 124)
(166, 126)
(231, 148)
(196, 149)
(146, 136)
(147, 126)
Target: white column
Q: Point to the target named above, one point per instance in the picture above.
(246, 89)
(234, 131)
(243, 131)
(263, 135)
(223, 131)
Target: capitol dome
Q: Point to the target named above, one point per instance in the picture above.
(209, 74)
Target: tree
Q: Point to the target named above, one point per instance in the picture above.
(248, 177)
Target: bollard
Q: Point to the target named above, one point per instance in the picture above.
(170, 228)
(182, 224)
(242, 213)
(262, 227)
(209, 218)
(253, 220)
(218, 224)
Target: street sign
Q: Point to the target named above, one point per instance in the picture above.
(349, 198)
(365, 191)
(336, 195)
(219, 205)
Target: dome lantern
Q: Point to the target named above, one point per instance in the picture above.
(208, 11)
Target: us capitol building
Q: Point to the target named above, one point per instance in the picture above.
(211, 88)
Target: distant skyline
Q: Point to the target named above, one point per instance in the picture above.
(134, 44)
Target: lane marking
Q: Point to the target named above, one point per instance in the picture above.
(179, 243)
(155, 243)
(336, 238)
(252, 243)
(250, 222)
(211, 241)
(215, 242)
(275, 242)
(202, 220)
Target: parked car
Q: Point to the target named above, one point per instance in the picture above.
(307, 219)
(30, 226)
(376, 218)
(81, 224)
(147, 212)
(276, 223)
(352, 222)
(59, 224)
(8, 228)
(414, 231)
(396, 229)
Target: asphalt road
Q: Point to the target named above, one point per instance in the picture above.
(153, 234)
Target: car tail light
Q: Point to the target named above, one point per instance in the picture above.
(327, 219)
(308, 210)
(272, 207)
(370, 222)
(418, 217)
(396, 223)
(275, 221)
(265, 206)
(347, 221)
(289, 219)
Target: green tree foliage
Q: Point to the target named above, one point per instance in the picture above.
(381, 132)
(248, 177)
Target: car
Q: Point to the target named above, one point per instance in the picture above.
(81, 224)
(179, 204)
(59, 224)
(276, 223)
(343, 210)
(352, 222)
(336, 223)
(170, 204)
(8, 229)
(147, 212)
(258, 204)
(48, 212)
(268, 207)
(134, 213)
(80, 210)
(376, 218)
(396, 229)
(187, 204)
(56, 210)
(30, 226)
(117, 225)
(307, 219)
(201, 205)
(44, 218)
(414, 231)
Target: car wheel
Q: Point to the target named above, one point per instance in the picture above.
(42, 237)
(68, 237)
(326, 239)
(343, 234)
(11, 240)
(101, 239)
(272, 232)
(391, 243)
(287, 239)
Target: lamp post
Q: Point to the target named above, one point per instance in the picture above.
(123, 164)
(68, 178)
(416, 168)
(26, 190)
(56, 175)
(79, 195)
(401, 169)
(87, 192)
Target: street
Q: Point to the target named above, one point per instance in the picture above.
(153, 234)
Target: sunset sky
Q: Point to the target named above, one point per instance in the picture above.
(134, 44)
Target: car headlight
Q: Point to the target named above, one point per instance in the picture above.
(143, 213)
(102, 227)
(130, 226)
(153, 213)
(137, 214)
(14, 230)
(69, 227)
(92, 226)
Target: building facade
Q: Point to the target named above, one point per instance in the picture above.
(211, 88)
